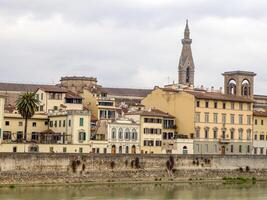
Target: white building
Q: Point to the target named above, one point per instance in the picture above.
(123, 136)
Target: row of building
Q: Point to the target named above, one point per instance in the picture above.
(79, 116)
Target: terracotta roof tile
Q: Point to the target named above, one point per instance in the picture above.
(260, 113)
(126, 92)
(152, 112)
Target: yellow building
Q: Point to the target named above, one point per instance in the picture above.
(2, 105)
(56, 98)
(219, 123)
(153, 125)
(260, 132)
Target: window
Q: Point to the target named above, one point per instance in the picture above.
(215, 104)
(197, 133)
(261, 150)
(19, 136)
(33, 124)
(255, 150)
(51, 123)
(223, 118)
(6, 135)
(14, 149)
(55, 108)
(224, 105)
(248, 120)
(262, 122)
(261, 137)
(120, 134)
(81, 121)
(55, 123)
(232, 149)
(20, 123)
(256, 121)
(240, 121)
(69, 122)
(232, 118)
(82, 136)
(198, 104)
(240, 148)
(35, 136)
(51, 149)
(127, 134)
(46, 122)
(255, 136)
(7, 123)
(248, 149)
(197, 148)
(113, 133)
(206, 104)
(80, 150)
(232, 105)
(215, 134)
(42, 96)
(206, 133)
(134, 134)
(240, 106)
(206, 117)
(197, 117)
(59, 123)
(232, 134)
(41, 108)
(158, 143)
(215, 118)
(64, 149)
(248, 134)
(64, 123)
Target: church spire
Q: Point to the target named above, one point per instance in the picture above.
(186, 31)
(186, 63)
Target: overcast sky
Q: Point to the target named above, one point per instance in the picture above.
(131, 43)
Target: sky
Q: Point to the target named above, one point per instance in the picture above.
(131, 43)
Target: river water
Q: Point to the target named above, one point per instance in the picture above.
(137, 191)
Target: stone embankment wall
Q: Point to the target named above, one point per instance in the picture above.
(66, 168)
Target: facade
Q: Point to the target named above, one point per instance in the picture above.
(218, 123)
(57, 99)
(260, 132)
(2, 105)
(154, 126)
(123, 136)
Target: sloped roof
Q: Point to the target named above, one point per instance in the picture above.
(260, 113)
(126, 92)
(72, 95)
(20, 87)
(219, 96)
(150, 112)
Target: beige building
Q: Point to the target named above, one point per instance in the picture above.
(154, 124)
(55, 98)
(2, 105)
(260, 132)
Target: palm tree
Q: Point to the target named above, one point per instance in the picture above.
(27, 104)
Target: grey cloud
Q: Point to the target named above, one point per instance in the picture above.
(130, 43)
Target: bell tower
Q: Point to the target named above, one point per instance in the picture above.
(186, 66)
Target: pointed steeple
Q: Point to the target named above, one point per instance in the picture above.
(186, 63)
(186, 31)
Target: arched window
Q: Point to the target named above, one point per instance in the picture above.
(120, 134)
(120, 149)
(245, 90)
(185, 150)
(127, 134)
(134, 134)
(187, 75)
(127, 149)
(113, 133)
(232, 87)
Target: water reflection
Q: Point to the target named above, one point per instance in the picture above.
(137, 191)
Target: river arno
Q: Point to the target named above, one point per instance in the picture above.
(137, 191)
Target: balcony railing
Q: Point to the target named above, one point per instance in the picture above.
(224, 141)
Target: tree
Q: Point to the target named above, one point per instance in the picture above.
(26, 105)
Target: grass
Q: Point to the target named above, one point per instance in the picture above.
(238, 180)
